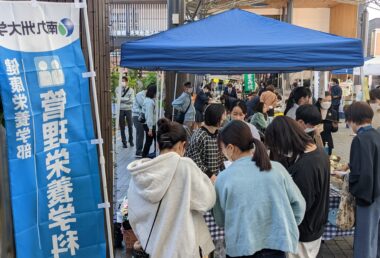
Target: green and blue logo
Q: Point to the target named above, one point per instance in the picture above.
(66, 27)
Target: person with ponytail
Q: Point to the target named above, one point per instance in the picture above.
(299, 96)
(258, 203)
(175, 191)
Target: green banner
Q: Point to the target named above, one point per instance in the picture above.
(249, 82)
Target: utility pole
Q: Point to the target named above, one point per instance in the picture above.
(176, 17)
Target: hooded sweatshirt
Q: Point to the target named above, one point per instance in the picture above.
(186, 193)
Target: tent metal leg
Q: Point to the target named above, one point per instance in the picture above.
(175, 90)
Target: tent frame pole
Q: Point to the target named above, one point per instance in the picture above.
(99, 132)
(161, 93)
(175, 91)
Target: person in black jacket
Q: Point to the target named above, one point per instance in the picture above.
(310, 169)
(201, 101)
(329, 120)
(364, 179)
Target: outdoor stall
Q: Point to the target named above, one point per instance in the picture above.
(255, 44)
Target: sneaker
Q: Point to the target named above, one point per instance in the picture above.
(125, 145)
(138, 156)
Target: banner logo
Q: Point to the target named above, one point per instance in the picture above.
(66, 27)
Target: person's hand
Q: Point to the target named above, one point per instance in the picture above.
(150, 133)
(213, 178)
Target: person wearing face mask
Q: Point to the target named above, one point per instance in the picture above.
(125, 115)
(329, 120)
(298, 97)
(201, 101)
(204, 151)
(364, 179)
(185, 111)
(309, 119)
(175, 189)
(310, 170)
(258, 203)
(239, 112)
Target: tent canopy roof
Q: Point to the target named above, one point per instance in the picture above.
(236, 42)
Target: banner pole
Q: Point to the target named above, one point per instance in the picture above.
(175, 90)
(98, 128)
(161, 93)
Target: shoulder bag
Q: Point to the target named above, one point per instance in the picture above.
(179, 116)
(142, 253)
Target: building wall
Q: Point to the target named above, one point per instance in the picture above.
(343, 20)
(373, 25)
(312, 18)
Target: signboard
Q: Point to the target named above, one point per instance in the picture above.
(54, 175)
(249, 82)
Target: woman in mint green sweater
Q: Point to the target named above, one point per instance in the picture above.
(258, 203)
(260, 117)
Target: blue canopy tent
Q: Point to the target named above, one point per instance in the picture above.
(237, 42)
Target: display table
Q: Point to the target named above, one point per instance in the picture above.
(332, 231)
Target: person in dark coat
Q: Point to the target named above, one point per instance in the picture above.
(329, 120)
(230, 91)
(336, 94)
(364, 179)
(201, 101)
(310, 169)
(229, 96)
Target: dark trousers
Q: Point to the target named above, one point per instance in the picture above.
(126, 115)
(148, 141)
(367, 231)
(265, 253)
(336, 108)
(140, 135)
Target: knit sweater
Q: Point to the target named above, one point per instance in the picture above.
(258, 209)
(126, 98)
(186, 194)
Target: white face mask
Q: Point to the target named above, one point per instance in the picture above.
(375, 107)
(309, 130)
(326, 105)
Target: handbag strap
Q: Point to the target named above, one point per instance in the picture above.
(154, 221)
(125, 92)
(187, 109)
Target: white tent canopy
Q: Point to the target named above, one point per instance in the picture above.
(370, 67)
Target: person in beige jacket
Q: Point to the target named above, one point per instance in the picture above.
(186, 193)
(269, 98)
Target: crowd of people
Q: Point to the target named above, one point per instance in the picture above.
(244, 185)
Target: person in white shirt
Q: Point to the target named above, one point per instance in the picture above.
(173, 189)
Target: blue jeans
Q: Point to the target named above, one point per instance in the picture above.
(367, 228)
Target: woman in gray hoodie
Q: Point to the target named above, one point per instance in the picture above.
(175, 189)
